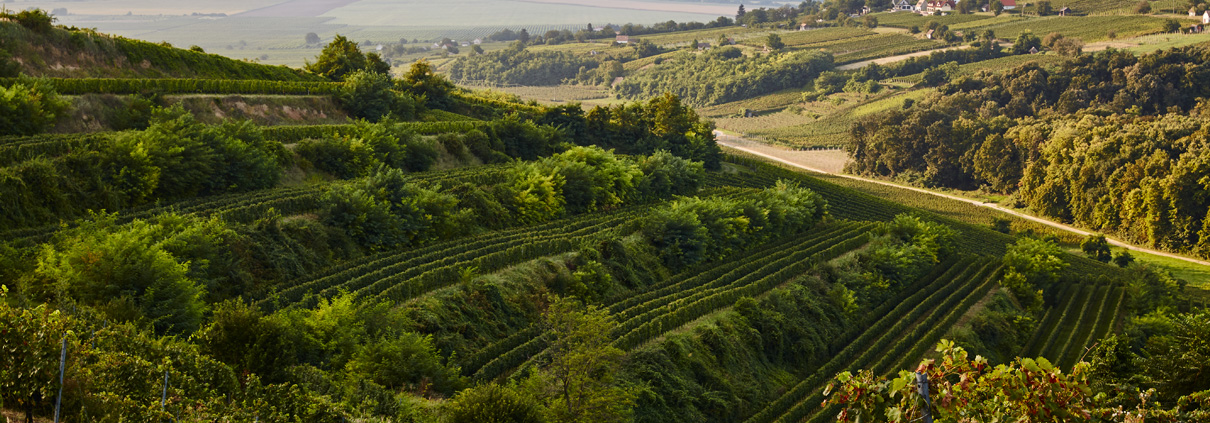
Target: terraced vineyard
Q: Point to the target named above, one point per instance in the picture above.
(249, 206)
(1089, 29)
(902, 332)
(688, 296)
(406, 275)
(1086, 313)
(735, 288)
(881, 45)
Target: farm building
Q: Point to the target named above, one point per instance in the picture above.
(1065, 11)
(929, 7)
(622, 39)
(1206, 18)
(1009, 4)
(902, 6)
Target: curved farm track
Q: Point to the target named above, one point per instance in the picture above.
(788, 157)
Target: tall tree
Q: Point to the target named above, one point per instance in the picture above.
(339, 58)
(1044, 8)
(774, 43)
(583, 365)
(996, 7)
(740, 13)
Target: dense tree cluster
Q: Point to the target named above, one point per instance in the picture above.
(176, 157)
(29, 107)
(1104, 141)
(695, 230)
(904, 249)
(518, 65)
(371, 96)
(367, 148)
(725, 74)
(663, 123)
(343, 57)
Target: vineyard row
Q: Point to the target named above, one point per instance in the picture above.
(905, 325)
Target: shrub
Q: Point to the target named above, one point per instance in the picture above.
(343, 158)
(665, 175)
(406, 362)
(36, 20)
(29, 108)
(494, 403)
(125, 271)
(178, 157)
(388, 211)
(593, 178)
(369, 95)
(830, 82)
(1097, 248)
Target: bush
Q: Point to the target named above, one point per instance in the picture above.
(368, 95)
(665, 175)
(408, 362)
(494, 403)
(178, 157)
(1032, 265)
(387, 211)
(830, 82)
(29, 108)
(343, 158)
(36, 20)
(694, 230)
(593, 179)
(1097, 248)
(125, 271)
(1123, 259)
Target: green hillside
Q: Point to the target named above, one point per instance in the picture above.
(82, 53)
(198, 239)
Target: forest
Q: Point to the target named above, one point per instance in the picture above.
(1109, 141)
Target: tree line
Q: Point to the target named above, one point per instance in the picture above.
(1105, 141)
(725, 74)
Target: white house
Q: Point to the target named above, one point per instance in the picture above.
(1206, 18)
(928, 7)
(478, 41)
(622, 39)
(1009, 4)
(902, 6)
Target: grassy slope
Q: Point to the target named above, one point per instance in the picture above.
(81, 53)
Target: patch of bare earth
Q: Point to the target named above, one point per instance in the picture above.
(830, 161)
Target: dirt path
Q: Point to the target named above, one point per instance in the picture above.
(785, 156)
